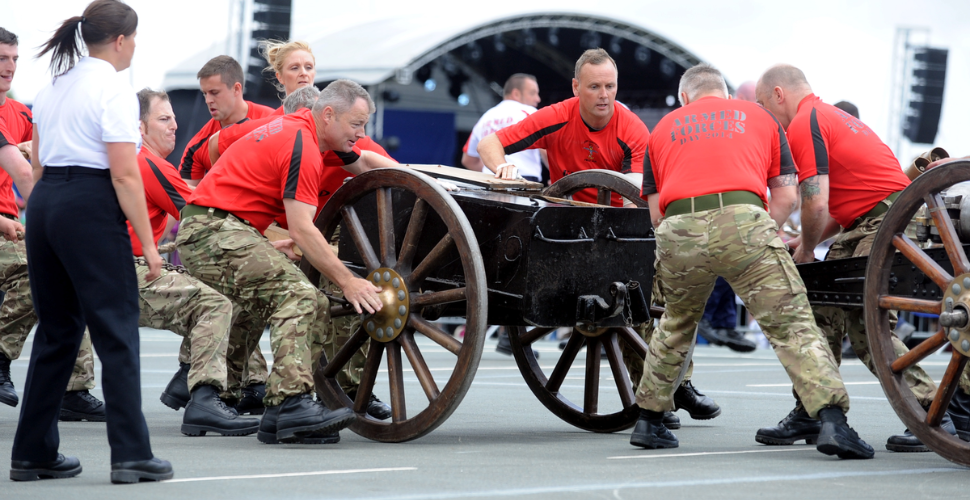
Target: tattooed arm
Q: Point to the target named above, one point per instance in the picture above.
(815, 216)
(784, 197)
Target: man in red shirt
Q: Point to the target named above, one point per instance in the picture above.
(274, 171)
(17, 311)
(848, 179)
(221, 81)
(705, 179)
(586, 132)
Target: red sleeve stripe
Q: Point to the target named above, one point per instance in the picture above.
(293, 176)
(531, 139)
(821, 154)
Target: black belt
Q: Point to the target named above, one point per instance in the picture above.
(712, 201)
(881, 208)
(218, 213)
(11, 217)
(68, 171)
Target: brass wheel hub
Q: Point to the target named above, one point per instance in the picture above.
(955, 318)
(590, 332)
(385, 325)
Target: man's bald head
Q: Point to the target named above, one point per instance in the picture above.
(785, 76)
(746, 92)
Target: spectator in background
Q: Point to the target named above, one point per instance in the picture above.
(520, 98)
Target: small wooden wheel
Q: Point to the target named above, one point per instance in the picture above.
(955, 284)
(417, 228)
(593, 414)
(606, 182)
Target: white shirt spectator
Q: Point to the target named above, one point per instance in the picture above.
(505, 113)
(91, 112)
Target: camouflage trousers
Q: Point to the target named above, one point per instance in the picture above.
(634, 364)
(17, 315)
(740, 244)
(242, 370)
(837, 323)
(238, 262)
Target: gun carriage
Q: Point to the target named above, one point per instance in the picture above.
(506, 253)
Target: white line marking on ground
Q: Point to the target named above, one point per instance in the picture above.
(290, 474)
(870, 382)
(700, 454)
(783, 394)
(437, 495)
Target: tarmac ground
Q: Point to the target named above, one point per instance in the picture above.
(502, 443)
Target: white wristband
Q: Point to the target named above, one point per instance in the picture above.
(504, 165)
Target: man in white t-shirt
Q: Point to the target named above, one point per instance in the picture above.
(520, 97)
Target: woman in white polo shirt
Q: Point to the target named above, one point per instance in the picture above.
(79, 253)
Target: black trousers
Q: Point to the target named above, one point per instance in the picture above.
(80, 264)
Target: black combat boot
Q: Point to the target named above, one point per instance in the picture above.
(176, 393)
(796, 426)
(959, 411)
(59, 468)
(699, 406)
(837, 438)
(375, 407)
(907, 442)
(153, 469)
(671, 420)
(301, 416)
(252, 400)
(8, 395)
(81, 405)
(651, 433)
(207, 413)
(267, 431)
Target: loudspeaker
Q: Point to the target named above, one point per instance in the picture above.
(926, 101)
(271, 21)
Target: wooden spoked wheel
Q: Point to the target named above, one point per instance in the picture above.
(955, 284)
(606, 182)
(590, 412)
(415, 229)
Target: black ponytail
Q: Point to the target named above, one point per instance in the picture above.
(102, 22)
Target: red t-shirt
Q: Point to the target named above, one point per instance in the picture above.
(165, 194)
(280, 160)
(195, 159)
(572, 146)
(18, 122)
(715, 145)
(862, 170)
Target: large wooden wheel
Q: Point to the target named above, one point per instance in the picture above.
(589, 412)
(405, 229)
(952, 307)
(606, 182)
(593, 414)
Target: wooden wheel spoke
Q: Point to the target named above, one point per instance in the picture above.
(431, 261)
(951, 241)
(894, 303)
(603, 196)
(395, 375)
(592, 387)
(919, 258)
(949, 385)
(356, 230)
(632, 339)
(434, 333)
(921, 351)
(620, 374)
(412, 235)
(533, 335)
(385, 224)
(367, 379)
(345, 353)
(558, 375)
(420, 367)
(435, 298)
